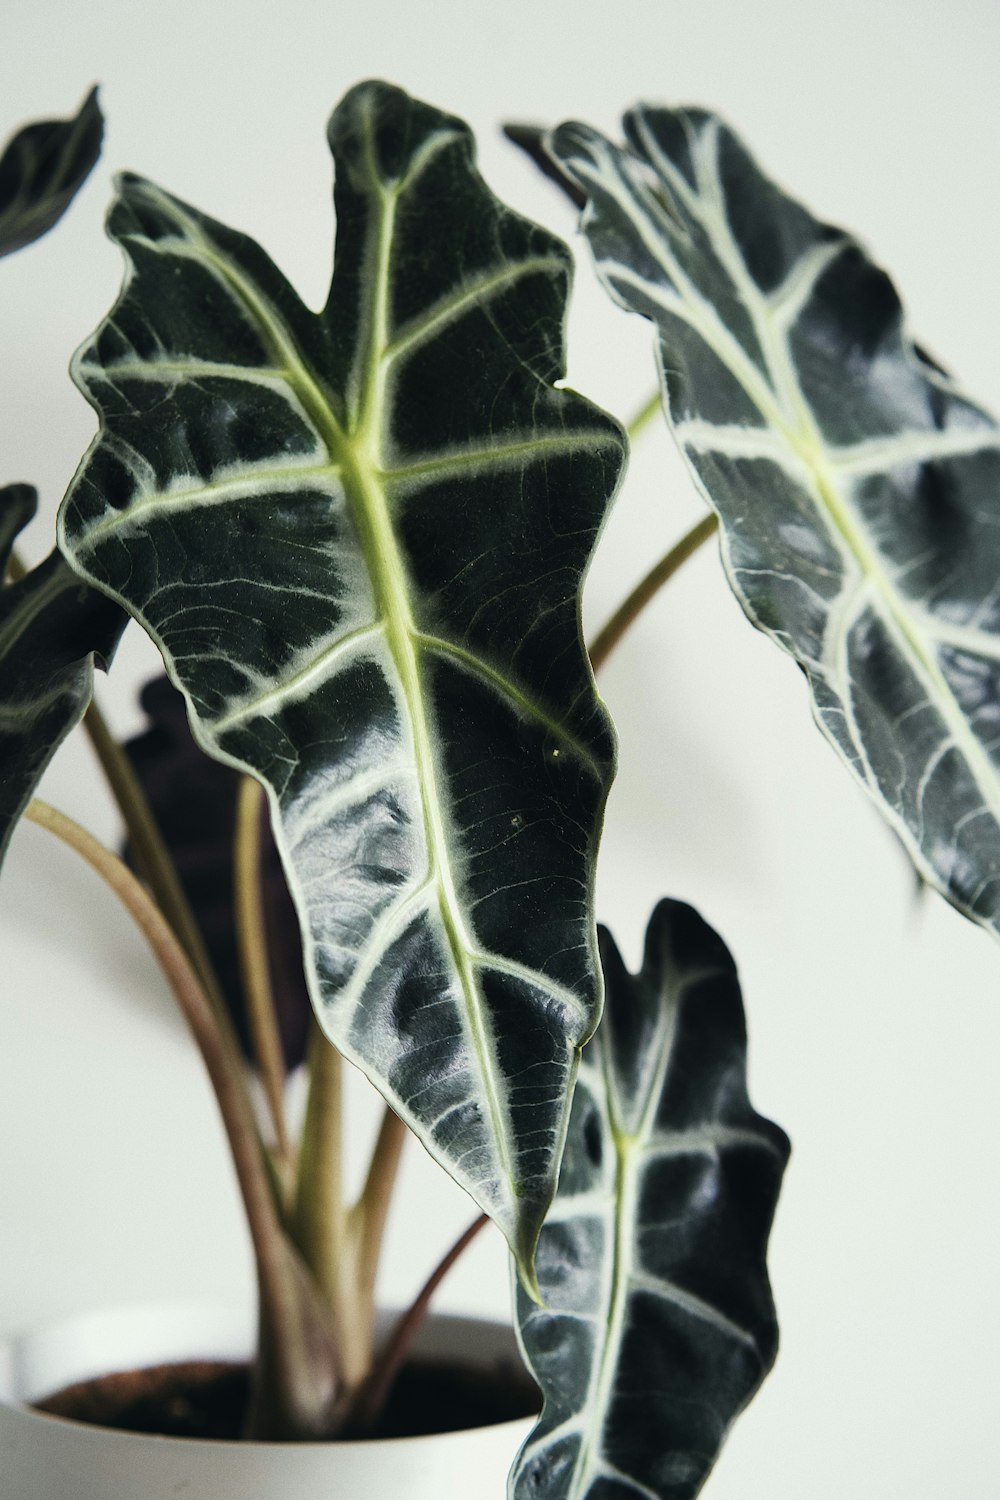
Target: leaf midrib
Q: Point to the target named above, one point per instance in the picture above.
(391, 586)
(629, 1145)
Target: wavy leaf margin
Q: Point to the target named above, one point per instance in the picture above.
(855, 484)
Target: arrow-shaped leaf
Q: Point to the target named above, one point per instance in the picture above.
(359, 537)
(856, 486)
(52, 627)
(42, 169)
(657, 1325)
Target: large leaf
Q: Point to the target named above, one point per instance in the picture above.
(358, 538)
(42, 169)
(657, 1325)
(52, 628)
(856, 486)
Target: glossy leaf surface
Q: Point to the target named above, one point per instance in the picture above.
(657, 1325)
(52, 627)
(42, 169)
(358, 538)
(857, 487)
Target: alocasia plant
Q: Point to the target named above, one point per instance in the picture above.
(358, 537)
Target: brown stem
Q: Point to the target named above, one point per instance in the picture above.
(254, 967)
(153, 860)
(367, 1407)
(608, 638)
(298, 1361)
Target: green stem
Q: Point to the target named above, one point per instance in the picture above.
(320, 1221)
(607, 639)
(642, 418)
(254, 967)
(341, 1247)
(298, 1357)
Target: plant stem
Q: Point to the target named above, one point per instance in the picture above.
(254, 966)
(326, 1235)
(151, 854)
(367, 1409)
(607, 639)
(341, 1247)
(644, 416)
(301, 1361)
(234, 1103)
(319, 1222)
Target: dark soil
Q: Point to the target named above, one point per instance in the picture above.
(207, 1399)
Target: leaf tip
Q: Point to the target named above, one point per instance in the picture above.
(533, 141)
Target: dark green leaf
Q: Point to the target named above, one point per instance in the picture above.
(42, 169)
(657, 1325)
(52, 627)
(359, 538)
(856, 486)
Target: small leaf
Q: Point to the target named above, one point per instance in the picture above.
(42, 169)
(52, 628)
(855, 484)
(193, 799)
(359, 538)
(657, 1324)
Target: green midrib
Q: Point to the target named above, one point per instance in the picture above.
(360, 454)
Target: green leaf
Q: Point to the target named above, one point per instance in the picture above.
(358, 538)
(657, 1324)
(52, 627)
(42, 169)
(856, 486)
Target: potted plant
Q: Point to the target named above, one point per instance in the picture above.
(358, 538)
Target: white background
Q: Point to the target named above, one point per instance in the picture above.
(874, 1020)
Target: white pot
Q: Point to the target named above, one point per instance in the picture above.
(49, 1458)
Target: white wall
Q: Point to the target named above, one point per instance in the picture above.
(875, 1023)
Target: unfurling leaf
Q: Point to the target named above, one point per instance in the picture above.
(42, 169)
(857, 488)
(358, 538)
(52, 629)
(657, 1324)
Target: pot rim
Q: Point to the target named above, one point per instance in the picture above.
(138, 1335)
